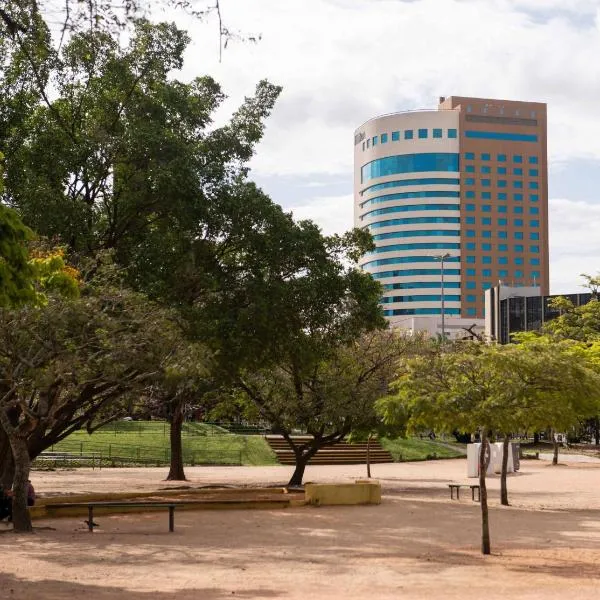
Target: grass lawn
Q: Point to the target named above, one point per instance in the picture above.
(148, 442)
(407, 449)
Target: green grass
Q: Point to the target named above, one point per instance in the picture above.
(408, 449)
(147, 442)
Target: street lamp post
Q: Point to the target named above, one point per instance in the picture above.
(441, 258)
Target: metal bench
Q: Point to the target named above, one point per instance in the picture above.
(91, 505)
(457, 486)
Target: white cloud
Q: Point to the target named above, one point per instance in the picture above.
(574, 243)
(333, 214)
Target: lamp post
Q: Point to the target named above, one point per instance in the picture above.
(441, 258)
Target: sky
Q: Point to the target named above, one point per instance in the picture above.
(342, 62)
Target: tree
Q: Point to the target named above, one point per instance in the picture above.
(65, 365)
(487, 388)
(326, 391)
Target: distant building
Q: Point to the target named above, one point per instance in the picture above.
(466, 182)
(509, 310)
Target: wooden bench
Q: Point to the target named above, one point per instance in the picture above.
(457, 486)
(91, 505)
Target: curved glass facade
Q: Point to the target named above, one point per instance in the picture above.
(405, 195)
(416, 246)
(417, 233)
(414, 272)
(410, 163)
(422, 285)
(399, 260)
(409, 208)
(407, 182)
(396, 312)
(421, 298)
(412, 221)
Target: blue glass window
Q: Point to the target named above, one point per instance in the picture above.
(375, 140)
(486, 221)
(363, 145)
(420, 298)
(395, 136)
(518, 197)
(533, 185)
(486, 208)
(471, 272)
(421, 311)
(470, 220)
(416, 233)
(533, 172)
(518, 185)
(412, 220)
(471, 285)
(470, 169)
(469, 207)
(408, 134)
(501, 158)
(485, 156)
(518, 171)
(535, 274)
(534, 223)
(533, 160)
(412, 272)
(409, 208)
(407, 182)
(517, 158)
(486, 234)
(502, 209)
(470, 260)
(486, 285)
(486, 195)
(422, 134)
(519, 260)
(471, 298)
(421, 285)
(534, 236)
(407, 195)
(501, 195)
(471, 312)
(409, 163)
(437, 133)
(518, 222)
(535, 262)
(470, 245)
(384, 138)
(502, 273)
(470, 194)
(518, 273)
(501, 170)
(470, 233)
(486, 182)
(469, 181)
(486, 169)
(518, 210)
(502, 260)
(518, 235)
(501, 183)
(399, 260)
(502, 222)
(534, 210)
(518, 247)
(501, 135)
(469, 155)
(369, 143)
(452, 133)
(534, 197)
(534, 249)
(502, 247)
(502, 235)
(416, 246)
(486, 247)
(486, 260)
(486, 272)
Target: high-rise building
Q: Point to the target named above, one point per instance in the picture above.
(468, 183)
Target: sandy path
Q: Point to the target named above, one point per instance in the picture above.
(417, 544)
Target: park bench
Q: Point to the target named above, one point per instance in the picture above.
(457, 486)
(91, 505)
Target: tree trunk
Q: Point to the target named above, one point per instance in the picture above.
(597, 431)
(7, 463)
(536, 437)
(176, 472)
(503, 487)
(485, 524)
(555, 456)
(369, 456)
(21, 517)
(298, 475)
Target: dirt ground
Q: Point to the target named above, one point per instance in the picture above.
(416, 544)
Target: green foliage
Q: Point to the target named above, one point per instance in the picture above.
(412, 449)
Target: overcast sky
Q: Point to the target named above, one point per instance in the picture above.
(342, 62)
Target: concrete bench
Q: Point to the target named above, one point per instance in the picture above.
(457, 486)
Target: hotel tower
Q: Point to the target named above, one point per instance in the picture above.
(459, 193)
